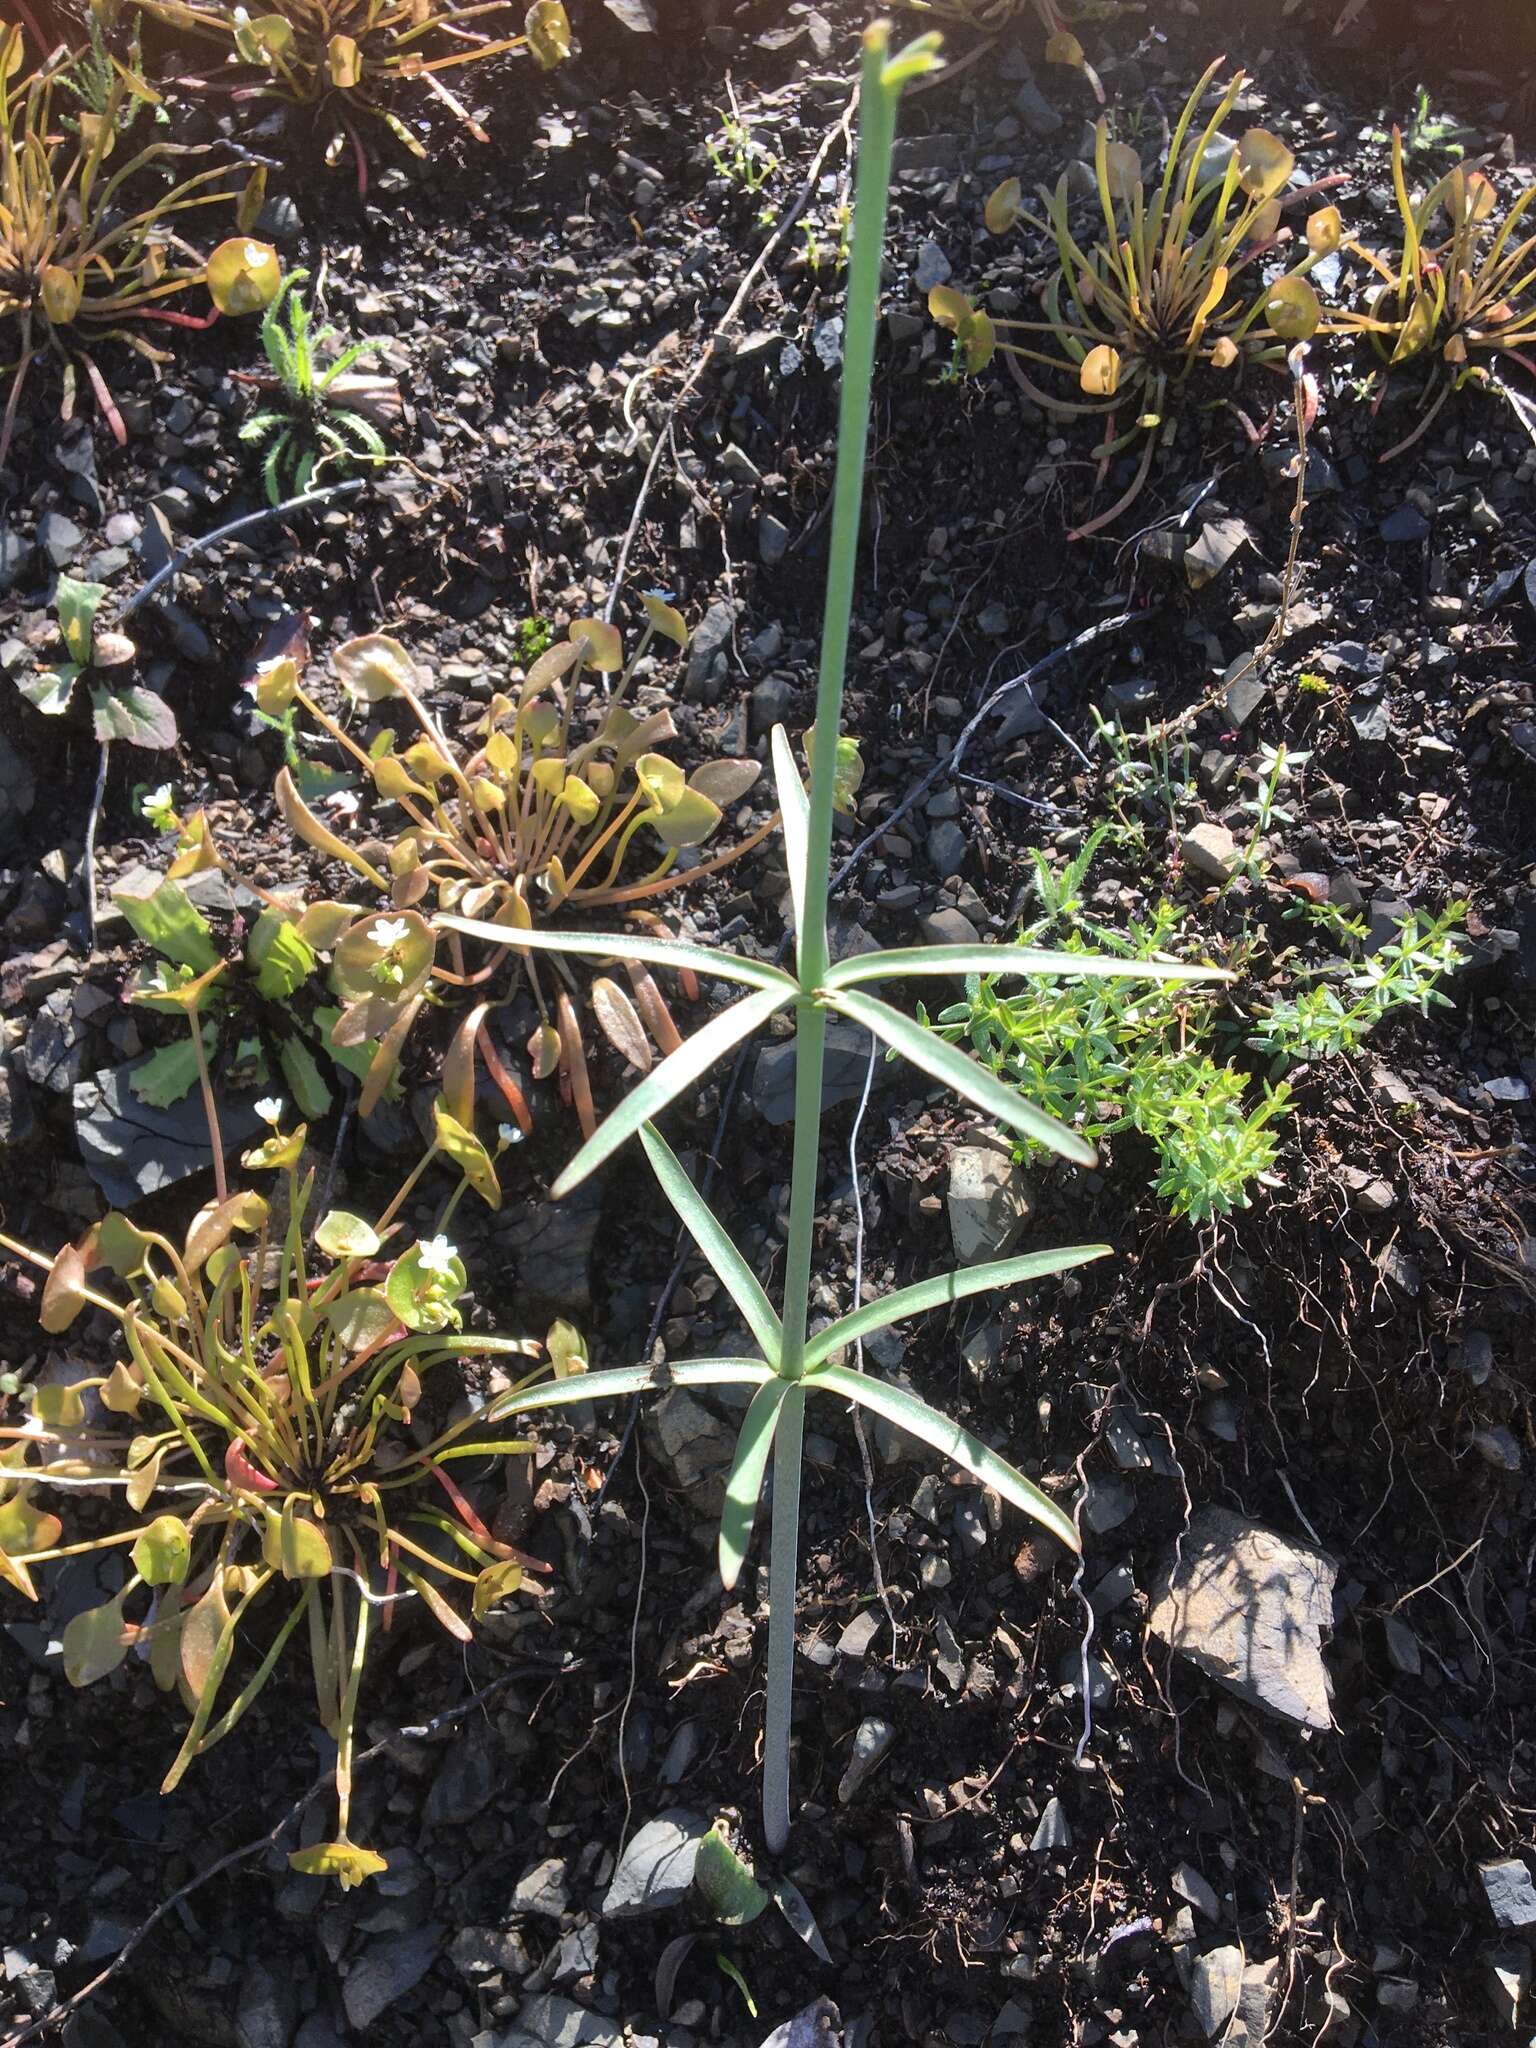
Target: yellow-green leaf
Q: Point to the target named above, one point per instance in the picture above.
(163, 1552)
(96, 1642)
(1264, 164)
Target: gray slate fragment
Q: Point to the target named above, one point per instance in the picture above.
(1053, 1832)
(543, 1889)
(772, 1087)
(1249, 1607)
(1211, 851)
(386, 1970)
(815, 2026)
(1509, 1978)
(465, 1780)
(131, 1150)
(1511, 1895)
(549, 2021)
(989, 1202)
(1198, 1890)
(871, 1745)
(268, 2007)
(1214, 1988)
(656, 1868)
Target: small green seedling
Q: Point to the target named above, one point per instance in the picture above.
(121, 709)
(322, 418)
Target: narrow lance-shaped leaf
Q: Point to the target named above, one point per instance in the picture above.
(626, 946)
(730, 1268)
(947, 1288)
(744, 1481)
(960, 960)
(695, 1056)
(627, 1379)
(957, 1070)
(966, 1450)
(796, 821)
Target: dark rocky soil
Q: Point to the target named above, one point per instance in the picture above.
(1347, 1362)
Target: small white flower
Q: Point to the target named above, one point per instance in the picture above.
(436, 1255)
(270, 1109)
(509, 1134)
(388, 931)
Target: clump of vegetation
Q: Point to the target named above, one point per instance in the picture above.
(121, 709)
(265, 1011)
(1103, 1057)
(78, 264)
(1463, 300)
(267, 1423)
(1106, 1056)
(319, 415)
(537, 816)
(1176, 283)
(347, 56)
(1334, 1015)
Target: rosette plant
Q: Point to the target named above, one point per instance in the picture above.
(346, 57)
(121, 709)
(1181, 279)
(79, 262)
(301, 985)
(269, 1423)
(792, 1363)
(1463, 302)
(546, 811)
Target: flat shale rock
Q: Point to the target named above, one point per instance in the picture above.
(1249, 1607)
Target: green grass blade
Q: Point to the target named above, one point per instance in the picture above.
(744, 1481)
(947, 1288)
(625, 1379)
(730, 1268)
(960, 960)
(957, 1070)
(664, 1083)
(966, 1450)
(795, 806)
(628, 946)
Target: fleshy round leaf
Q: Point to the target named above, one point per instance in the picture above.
(163, 1552)
(64, 1290)
(96, 1642)
(600, 643)
(1099, 374)
(373, 667)
(341, 1235)
(60, 291)
(243, 275)
(548, 30)
(1264, 164)
(1004, 207)
(1325, 230)
(665, 619)
(361, 1317)
(1293, 309)
(1122, 170)
(344, 1861)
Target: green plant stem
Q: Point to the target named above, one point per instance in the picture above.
(210, 1109)
(877, 123)
(783, 1570)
